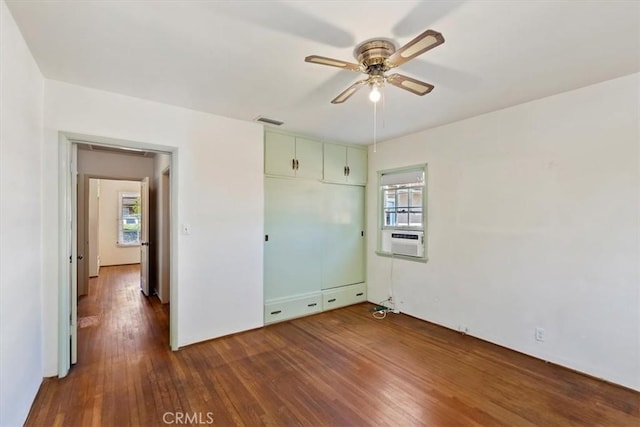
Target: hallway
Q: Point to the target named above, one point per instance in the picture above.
(116, 312)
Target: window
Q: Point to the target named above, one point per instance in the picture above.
(402, 207)
(129, 219)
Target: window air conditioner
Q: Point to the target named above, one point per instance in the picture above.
(409, 243)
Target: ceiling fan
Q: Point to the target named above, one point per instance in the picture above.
(376, 57)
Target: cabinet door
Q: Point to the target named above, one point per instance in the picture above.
(335, 160)
(357, 163)
(344, 225)
(279, 153)
(309, 157)
(293, 222)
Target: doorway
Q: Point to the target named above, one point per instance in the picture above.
(112, 226)
(88, 161)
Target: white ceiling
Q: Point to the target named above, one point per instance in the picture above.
(244, 59)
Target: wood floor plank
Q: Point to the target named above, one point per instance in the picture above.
(336, 368)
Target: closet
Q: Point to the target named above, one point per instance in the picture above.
(314, 248)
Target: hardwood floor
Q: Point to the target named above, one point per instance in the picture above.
(337, 368)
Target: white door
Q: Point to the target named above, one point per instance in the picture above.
(144, 236)
(73, 294)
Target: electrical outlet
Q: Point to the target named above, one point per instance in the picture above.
(540, 334)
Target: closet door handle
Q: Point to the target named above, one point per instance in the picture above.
(293, 164)
(348, 171)
(345, 171)
(297, 164)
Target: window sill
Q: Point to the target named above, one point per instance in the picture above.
(128, 245)
(388, 227)
(406, 257)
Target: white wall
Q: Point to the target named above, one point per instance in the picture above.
(533, 222)
(110, 252)
(21, 208)
(217, 163)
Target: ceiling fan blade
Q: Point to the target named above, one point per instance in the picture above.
(346, 94)
(425, 41)
(412, 85)
(315, 59)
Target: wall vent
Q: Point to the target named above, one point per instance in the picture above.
(269, 121)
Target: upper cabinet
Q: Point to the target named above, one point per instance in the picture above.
(345, 165)
(287, 155)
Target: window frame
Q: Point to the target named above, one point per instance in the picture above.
(381, 211)
(121, 196)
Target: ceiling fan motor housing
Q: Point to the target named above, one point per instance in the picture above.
(373, 56)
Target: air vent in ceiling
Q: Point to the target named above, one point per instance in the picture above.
(269, 121)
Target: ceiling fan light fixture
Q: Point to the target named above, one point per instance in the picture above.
(374, 95)
(376, 57)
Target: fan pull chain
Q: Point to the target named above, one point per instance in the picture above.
(374, 127)
(383, 105)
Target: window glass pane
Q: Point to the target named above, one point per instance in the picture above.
(416, 197)
(389, 198)
(415, 218)
(390, 217)
(403, 218)
(403, 197)
(129, 226)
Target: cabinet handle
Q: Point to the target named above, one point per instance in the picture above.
(331, 300)
(276, 312)
(293, 164)
(297, 164)
(266, 237)
(345, 171)
(348, 171)
(312, 304)
(359, 294)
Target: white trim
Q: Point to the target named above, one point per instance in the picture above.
(173, 257)
(64, 239)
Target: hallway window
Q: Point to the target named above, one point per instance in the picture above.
(129, 219)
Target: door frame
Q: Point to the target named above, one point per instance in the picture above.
(67, 234)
